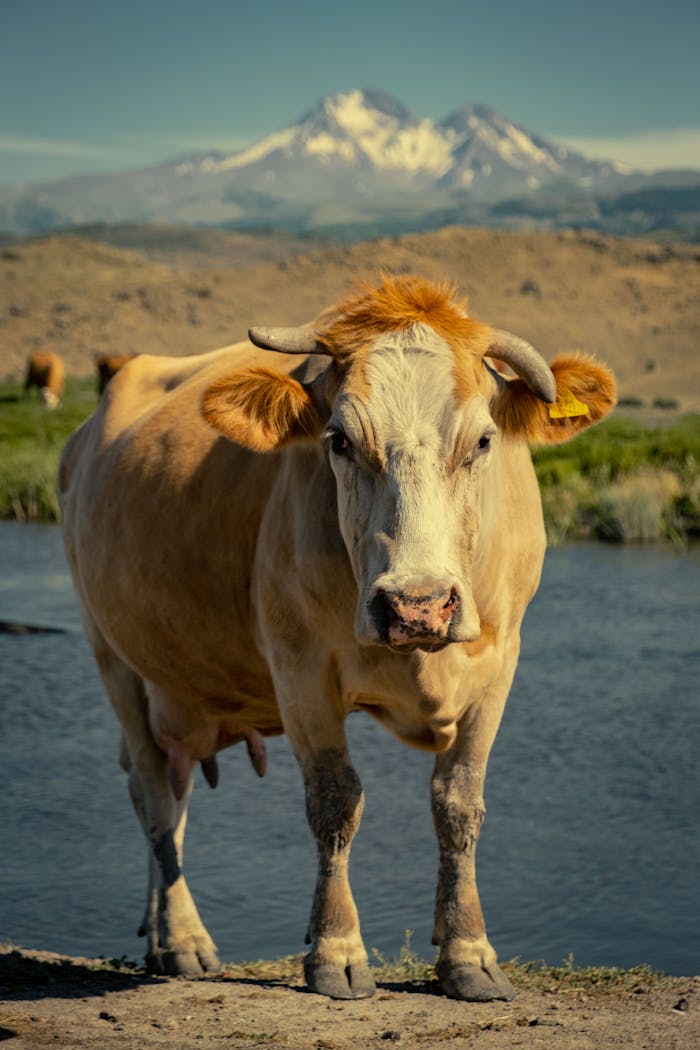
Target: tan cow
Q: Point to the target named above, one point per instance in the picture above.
(107, 366)
(46, 372)
(263, 543)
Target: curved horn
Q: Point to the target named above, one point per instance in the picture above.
(301, 340)
(525, 361)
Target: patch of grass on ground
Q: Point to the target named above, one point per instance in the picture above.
(567, 977)
(407, 967)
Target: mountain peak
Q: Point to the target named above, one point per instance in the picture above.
(357, 109)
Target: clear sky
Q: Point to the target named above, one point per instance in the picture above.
(100, 85)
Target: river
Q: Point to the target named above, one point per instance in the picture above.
(590, 846)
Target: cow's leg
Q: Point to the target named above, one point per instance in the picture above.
(337, 963)
(466, 966)
(178, 941)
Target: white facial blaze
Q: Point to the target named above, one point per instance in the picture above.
(412, 404)
(407, 508)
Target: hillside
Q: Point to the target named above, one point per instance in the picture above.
(634, 303)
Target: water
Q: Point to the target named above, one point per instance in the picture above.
(591, 842)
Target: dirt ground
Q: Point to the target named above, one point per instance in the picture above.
(80, 1004)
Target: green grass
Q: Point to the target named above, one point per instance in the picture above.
(619, 446)
(622, 481)
(31, 439)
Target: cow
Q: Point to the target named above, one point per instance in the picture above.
(46, 372)
(333, 518)
(107, 366)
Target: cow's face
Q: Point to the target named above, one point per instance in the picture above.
(409, 456)
(412, 420)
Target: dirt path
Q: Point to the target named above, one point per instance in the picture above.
(50, 1000)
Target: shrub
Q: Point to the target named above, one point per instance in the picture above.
(666, 402)
(631, 402)
(637, 509)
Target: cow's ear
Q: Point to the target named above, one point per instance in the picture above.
(585, 395)
(261, 409)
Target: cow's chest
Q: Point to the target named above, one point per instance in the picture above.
(420, 698)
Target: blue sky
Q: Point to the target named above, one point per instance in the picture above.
(91, 85)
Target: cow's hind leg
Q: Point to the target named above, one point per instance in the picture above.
(178, 941)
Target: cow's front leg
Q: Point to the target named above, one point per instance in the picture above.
(337, 963)
(466, 967)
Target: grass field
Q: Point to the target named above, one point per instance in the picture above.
(31, 439)
(623, 481)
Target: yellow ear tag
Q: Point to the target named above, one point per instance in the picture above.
(566, 405)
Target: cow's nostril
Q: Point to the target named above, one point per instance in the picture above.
(383, 613)
(450, 607)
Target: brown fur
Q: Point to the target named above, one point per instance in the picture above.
(46, 372)
(261, 409)
(399, 302)
(518, 411)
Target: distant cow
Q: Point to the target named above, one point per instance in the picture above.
(264, 542)
(45, 371)
(107, 366)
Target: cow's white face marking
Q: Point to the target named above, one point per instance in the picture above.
(408, 458)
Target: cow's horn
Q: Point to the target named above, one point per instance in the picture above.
(525, 362)
(299, 340)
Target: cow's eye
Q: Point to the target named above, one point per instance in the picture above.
(481, 448)
(339, 443)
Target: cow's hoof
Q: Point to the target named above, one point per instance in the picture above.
(182, 964)
(474, 984)
(354, 981)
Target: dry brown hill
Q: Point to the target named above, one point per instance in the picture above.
(634, 303)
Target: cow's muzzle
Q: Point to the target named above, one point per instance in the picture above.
(406, 621)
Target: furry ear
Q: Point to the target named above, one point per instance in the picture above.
(585, 395)
(261, 409)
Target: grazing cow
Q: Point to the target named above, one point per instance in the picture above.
(263, 544)
(45, 371)
(107, 366)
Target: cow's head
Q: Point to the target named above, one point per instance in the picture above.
(414, 421)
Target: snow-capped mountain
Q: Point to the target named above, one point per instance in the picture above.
(358, 158)
(366, 130)
(370, 133)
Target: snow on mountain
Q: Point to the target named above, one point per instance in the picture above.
(491, 146)
(357, 127)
